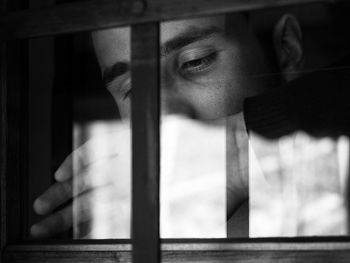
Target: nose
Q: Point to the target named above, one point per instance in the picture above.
(172, 101)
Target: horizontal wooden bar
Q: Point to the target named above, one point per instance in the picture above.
(192, 246)
(97, 14)
(187, 252)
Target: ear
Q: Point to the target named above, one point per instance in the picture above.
(287, 38)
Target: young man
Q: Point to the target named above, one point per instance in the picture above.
(208, 67)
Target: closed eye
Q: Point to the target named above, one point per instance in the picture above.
(197, 65)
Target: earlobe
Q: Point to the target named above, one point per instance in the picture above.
(287, 38)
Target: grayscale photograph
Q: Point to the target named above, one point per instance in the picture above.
(150, 131)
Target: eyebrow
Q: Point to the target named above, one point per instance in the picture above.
(189, 36)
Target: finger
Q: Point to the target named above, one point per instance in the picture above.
(62, 191)
(63, 219)
(82, 158)
(86, 180)
(70, 166)
(56, 195)
(65, 171)
(54, 224)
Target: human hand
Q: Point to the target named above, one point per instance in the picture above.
(98, 181)
(95, 178)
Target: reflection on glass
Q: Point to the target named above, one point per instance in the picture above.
(192, 179)
(193, 199)
(297, 186)
(212, 159)
(102, 169)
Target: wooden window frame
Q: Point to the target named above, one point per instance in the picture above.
(144, 16)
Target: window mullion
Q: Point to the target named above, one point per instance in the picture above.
(145, 142)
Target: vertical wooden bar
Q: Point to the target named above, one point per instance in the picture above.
(13, 139)
(40, 83)
(41, 68)
(3, 145)
(16, 138)
(347, 194)
(3, 132)
(145, 143)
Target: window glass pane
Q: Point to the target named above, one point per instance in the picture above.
(254, 140)
(85, 188)
(298, 136)
(79, 146)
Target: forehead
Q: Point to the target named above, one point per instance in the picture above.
(173, 28)
(113, 45)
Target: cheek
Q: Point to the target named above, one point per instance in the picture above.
(214, 100)
(219, 94)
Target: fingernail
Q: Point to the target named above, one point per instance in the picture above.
(41, 207)
(37, 231)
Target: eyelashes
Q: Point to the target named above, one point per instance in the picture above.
(189, 64)
(195, 61)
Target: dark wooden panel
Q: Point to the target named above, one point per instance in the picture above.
(16, 139)
(40, 82)
(3, 144)
(145, 142)
(223, 252)
(41, 75)
(61, 113)
(95, 14)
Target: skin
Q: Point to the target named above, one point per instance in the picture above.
(206, 77)
(208, 89)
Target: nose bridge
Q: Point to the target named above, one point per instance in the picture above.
(165, 91)
(167, 84)
(173, 101)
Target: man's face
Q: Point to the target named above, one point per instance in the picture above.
(207, 65)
